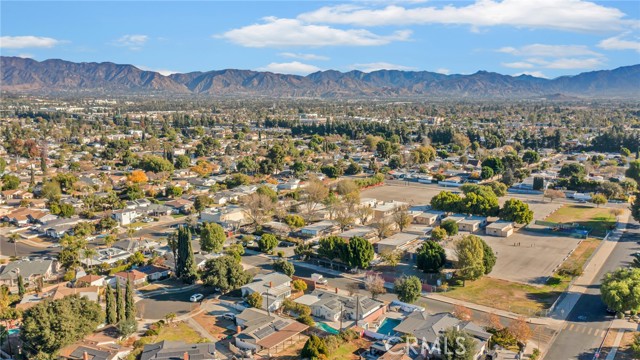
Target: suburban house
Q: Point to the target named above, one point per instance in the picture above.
(428, 217)
(125, 216)
(227, 217)
(472, 223)
(328, 305)
(89, 280)
(321, 228)
(180, 206)
(169, 350)
(430, 328)
(455, 217)
(100, 345)
(366, 232)
(274, 288)
(265, 333)
(384, 209)
(30, 271)
(500, 228)
(155, 272)
(396, 242)
(109, 256)
(137, 277)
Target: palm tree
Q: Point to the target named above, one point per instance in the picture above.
(14, 238)
(88, 254)
(130, 231)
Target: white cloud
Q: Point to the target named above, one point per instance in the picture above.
(518, 65)
(572, 63)
(294, 67)
(277, 32)
(619, 43)
(570, 15)
(22, 42)
(304, 56)
(133, 42)
(443, 71)
(543, 50)
(164, 72)
(537, 74)
(375, 66)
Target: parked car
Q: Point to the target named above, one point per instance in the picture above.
(196, 297)
(229, 316)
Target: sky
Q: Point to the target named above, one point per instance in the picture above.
(544, 38)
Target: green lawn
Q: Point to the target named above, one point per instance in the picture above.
(599, 220)
(345, 351)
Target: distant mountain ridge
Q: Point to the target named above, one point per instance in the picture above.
(59, 76)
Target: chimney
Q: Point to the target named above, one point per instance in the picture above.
(238, 329)
(270, 284)
(185, 356)
(336, 290)
(85, 356)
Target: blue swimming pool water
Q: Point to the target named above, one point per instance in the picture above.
(387, 325)
(327, 328)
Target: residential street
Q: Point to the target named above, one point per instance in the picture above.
(588, 321)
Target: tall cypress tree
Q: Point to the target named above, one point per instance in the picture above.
(120, 308)
(21, 289)
(112, 316)
(130, 307)
(187, 264)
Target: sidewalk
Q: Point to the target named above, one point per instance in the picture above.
(582, 283)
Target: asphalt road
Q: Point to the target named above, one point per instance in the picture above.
(157, 306)
(587, 322)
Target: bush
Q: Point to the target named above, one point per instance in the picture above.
(306, 319)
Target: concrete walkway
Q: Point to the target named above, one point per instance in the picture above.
(591, 270)
(616, 344)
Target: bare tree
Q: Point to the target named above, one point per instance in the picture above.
(383, 228)
(375, 285)
(363, 213)
(258, 208)
(401, 217)
(314, 194)
(462, 312)
(553, 194)
(344, 218)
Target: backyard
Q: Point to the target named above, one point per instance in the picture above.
(599, 220)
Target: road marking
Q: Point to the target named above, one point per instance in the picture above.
(571, 327)
(590, 330)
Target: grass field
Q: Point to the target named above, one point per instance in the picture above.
(505, 295)
(599, 220)
(581, 254)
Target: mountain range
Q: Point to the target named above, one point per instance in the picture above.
(21, 75)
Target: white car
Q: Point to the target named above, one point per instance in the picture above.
(196, 297)
(229, 316)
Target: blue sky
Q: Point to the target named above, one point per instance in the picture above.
(545, 38)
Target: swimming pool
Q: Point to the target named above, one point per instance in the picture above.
(327, 328)
(387, 325)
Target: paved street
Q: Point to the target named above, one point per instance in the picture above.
(588, 321)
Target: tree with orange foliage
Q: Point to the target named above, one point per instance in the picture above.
(462, 312)
(520, 329)
(494, 321)
(137, 177)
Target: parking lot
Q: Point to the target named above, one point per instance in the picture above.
(157, 306)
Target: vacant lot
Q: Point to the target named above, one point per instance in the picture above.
(178, 331)
(505, 295)
(599, 220)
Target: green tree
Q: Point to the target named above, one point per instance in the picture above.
(431, 257)
(450, 226)
(498, 188)
(480, 204)
(201, 202)
(269, 192)
(489, 257)
(530, 157)
(51, 191)
(112, 315)
(446, 201)
(10, 182)
(212, 237)
(360, 252)
(599, 199)
(633, 171)
(314, 349)
(517, 211)
(299, 285)
(538, 183)
(438, 234)
(408, 288)
(186, 265)
(130, 307)
(486, 173)
(572, 169)
(620, 290)
(494, 163)
(225, 273)
(52, 324)
(470, 253)
(255, 300)
(127, 327)
(294, 221)
(267, 243)
(121, 314)
(635, 208)
(21, 289)
(284, 267)
(182, 162)
(66, 210)
(457, 344)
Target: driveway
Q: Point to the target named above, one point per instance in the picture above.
(157, 306)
